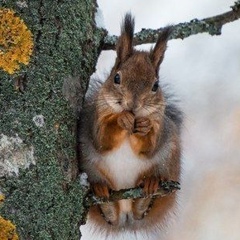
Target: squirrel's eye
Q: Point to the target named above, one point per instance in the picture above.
(155, 86)
(117, 79)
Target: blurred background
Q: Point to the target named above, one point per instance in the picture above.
(204, 73)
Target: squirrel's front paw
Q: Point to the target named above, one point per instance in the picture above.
(126, 121)
(101, 190)
(142, 126)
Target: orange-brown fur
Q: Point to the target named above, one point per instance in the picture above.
(130, 108)
(109, 134)
(144, 145)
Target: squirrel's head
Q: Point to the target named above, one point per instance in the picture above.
(133, 84)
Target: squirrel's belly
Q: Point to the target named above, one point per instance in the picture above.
(124, 166)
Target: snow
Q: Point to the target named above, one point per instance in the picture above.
(99, 18)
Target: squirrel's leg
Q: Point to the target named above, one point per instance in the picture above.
(142, 206)
(110, 212)
(151, 179)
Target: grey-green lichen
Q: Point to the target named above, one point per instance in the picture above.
(41, 206)
(212, 25)
(165, 188)
(45, 200)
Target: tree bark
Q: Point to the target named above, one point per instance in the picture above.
(43, 197)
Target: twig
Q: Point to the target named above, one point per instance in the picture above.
(165, 189)
(211, 25)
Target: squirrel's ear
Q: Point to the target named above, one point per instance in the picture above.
(125, 42)
(157, 53)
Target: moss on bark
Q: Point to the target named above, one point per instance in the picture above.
(45, 201)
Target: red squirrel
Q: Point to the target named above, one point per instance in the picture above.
(130, 136)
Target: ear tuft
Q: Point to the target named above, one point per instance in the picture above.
(125, 42)
(157, 53)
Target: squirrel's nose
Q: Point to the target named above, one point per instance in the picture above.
(131, 102)
(132, 106)
(129, 105)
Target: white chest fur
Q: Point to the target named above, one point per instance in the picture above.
(124, 166)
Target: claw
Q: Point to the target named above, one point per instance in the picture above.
(126, 121)
(149, 185)
(142, 126)
(101, 190)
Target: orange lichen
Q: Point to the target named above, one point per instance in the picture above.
(7, 230)
(2, 197)
(16, 41)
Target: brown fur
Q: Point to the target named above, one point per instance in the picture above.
(109, 133)
(131, 110)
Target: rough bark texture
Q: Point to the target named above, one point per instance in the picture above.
(37, 124)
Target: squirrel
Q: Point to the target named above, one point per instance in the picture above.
(130, 136)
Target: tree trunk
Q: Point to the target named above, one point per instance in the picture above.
(38, 157)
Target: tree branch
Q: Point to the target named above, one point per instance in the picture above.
(211, 25)
(165, 189)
